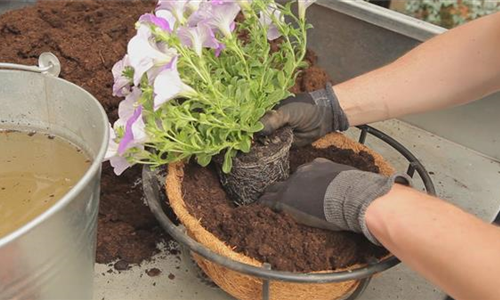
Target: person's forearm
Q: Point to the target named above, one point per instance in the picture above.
(451, 248)
(454, 68)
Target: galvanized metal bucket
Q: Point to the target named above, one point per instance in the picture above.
(52, 257)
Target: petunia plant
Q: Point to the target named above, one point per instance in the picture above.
(199, 75)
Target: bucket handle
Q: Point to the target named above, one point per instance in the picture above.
(48, 64)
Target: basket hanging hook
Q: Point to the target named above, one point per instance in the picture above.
(48, 64)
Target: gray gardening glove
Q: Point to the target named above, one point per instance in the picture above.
(311, 115)
(331, 196)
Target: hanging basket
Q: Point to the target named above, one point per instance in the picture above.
(247, 287)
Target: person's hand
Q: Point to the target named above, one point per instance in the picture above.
(311, 115)
(331, 196)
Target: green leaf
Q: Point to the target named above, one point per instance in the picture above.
(281, 79)
(289, 67)
(245, 114)
(228, 161)
(223, 134)
(128, 72)
(256, 128)
(276, 96)
(303, 64)
(245, 144)
(203, 159)
(258, 113)
(194, 140)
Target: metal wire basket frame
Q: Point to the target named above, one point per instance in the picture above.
(156, 201)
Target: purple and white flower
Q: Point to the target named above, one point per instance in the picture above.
(176, 7)
(112, 149)
(130, 117)
(168, 85)
(122, 84)
(144, 53)
(303, 5)
(198, 37)
(127, 107)
(218, 15)
(167, 15)
(119, 163)
(160, 22)
(245, 4)
(194, 5)
(266, 20)
(135, 132)
(219, 49)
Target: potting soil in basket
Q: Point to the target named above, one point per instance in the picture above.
(276, 238)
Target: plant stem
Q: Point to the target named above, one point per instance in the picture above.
(236, 49)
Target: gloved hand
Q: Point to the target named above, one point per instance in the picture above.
(311, 115)
(331, 196)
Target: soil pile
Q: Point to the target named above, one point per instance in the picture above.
(87, 36)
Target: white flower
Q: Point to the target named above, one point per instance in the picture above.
(303, 5)
(168, 85)
(132, 124)
(198, 37)
(266, 20)
(245, 4)
(176, 7)
(126, 110)
(119, 163)
(121, 86)
(112, 149)
(167, 15)
(218, 15)
(162, 23)
(130, 117)
(194, 5)
(145, 54)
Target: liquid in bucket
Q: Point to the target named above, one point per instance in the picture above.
(36, 170)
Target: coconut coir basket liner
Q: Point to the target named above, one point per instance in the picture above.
(247, 287)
